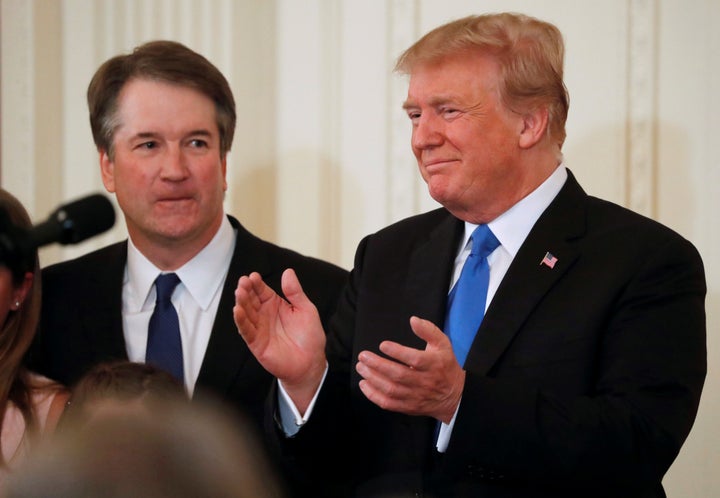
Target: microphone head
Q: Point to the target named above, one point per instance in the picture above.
(74, 222)
(84, 218)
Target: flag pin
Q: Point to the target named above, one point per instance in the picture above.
(548, 260)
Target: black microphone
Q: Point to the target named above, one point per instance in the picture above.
(74, 222)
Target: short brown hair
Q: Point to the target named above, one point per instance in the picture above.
(530, 53)
(165, 61)
(123, 381)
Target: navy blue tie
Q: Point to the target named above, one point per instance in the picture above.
(466, 302)
(164, 346)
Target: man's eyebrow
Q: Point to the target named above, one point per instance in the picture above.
(433, 102)
(153, 134)
(201, 131)
(144, 134)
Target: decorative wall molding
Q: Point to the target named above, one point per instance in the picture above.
(642, 120)
(402, 175)
(17, 87)
(331, 22)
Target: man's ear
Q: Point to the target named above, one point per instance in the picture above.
(107, 171)
(534, 127)
(223, 165)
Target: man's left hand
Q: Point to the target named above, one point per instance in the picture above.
(415, 382)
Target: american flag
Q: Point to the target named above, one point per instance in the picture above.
(549, 260)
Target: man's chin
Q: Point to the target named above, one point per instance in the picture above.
(439, 192)
(177, 227)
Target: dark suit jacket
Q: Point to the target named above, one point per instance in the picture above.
(583, 380)
(81, 322)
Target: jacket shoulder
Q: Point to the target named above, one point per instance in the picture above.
(100, 261)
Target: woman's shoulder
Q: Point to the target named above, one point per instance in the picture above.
(48, 400)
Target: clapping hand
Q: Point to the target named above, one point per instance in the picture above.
(415, 382)
(285, 335)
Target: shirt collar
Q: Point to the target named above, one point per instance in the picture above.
(513, 226)
(201, 276)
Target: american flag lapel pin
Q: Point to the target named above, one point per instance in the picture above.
(548, 260)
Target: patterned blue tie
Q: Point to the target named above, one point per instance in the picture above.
(466, 302)
(164, 346)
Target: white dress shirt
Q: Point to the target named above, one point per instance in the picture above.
(196, 299)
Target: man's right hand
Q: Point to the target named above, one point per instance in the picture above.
(286, 337)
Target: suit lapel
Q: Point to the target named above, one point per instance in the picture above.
(527, 280)
(429, 273)
(226, 352)
(102, 308)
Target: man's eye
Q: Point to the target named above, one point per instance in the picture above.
(147, 145)
(198, 143)
(450, 113)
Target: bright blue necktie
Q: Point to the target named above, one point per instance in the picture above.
(164, 346)
(466, 302)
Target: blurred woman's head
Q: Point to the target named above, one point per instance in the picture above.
(19, 285)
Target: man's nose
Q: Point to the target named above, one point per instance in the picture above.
(175, 164)
(427, 132)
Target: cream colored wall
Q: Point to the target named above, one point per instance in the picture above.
(321, 153)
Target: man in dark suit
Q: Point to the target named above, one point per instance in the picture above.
(163, 119)
(583, 377)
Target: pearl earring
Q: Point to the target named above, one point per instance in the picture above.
(17, 305)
